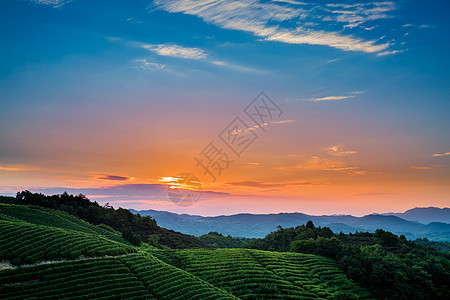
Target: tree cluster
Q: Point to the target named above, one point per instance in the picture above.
(134, 227)
(389, 266)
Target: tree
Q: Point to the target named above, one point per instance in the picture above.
(310, 224)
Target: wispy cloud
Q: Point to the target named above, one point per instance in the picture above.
(423, 26)
(354, 15)
(335, 98)
(441, 154)
(421, 168)
(114, 177)
(148, 192)
(384, 53)
(247, 130)
(265, 185)
(10, 169)
(316, 163)
(235, 67)
(53, 3)
(333, 60)
(330, 98)
(174, 50)
(327, 98)
(338, 150)
(149, 66)
(288, 21)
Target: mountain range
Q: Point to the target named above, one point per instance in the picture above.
(425, 215)
(430, 222)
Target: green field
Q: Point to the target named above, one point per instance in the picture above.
(50, 254)
(255, 274)
(55, 218)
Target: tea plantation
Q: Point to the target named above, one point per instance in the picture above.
(255, 274)
(49, 254)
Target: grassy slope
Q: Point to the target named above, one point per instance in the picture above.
(47, 235)
(252, 274)
(122, 277)
(29, 235)
(55, 218)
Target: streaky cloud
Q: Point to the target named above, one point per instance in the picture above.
(384, 53)
(52, 3)
(269, 20)
(114, 177)
(441, 154)
(149, 66)
(174, 50)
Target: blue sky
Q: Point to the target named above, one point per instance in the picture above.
(159, 78)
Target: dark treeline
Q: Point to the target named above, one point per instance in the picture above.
(218, 240)
(391, 267)
(440, 246)
(133, 227)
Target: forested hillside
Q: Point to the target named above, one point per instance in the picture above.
(387, 265)
(50, 253)
(134, 227)
(46, 253)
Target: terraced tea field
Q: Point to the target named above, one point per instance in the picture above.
(23, 243)
(54, 218)
(123, 277)
(52, 255)
(254, 274)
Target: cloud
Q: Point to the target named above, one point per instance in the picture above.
(421, 168)
(291, 2)
(355, 15)
(316, 163)
(284, 21)
(53, 3)
(113, 177)
(10, 169)
(149, 192)
(423, 26)
(148, 66)
(259, 184)
(333, 60)
(335, 98)
(235, 67)
(370, 193)
(384, 53)
(247, 130)
(330, 98)
(338, 150)
(441, 154)
(174, 50)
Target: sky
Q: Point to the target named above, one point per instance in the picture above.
(320, 107)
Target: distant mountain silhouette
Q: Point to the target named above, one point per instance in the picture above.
(425, 215)
(259, 225)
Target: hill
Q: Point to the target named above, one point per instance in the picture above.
(266, 275)
(133, 227)
(425, 215)
(45, 253)
(390, 266)
(121, 277)
(31, 234)
(259, 225)
(57, 219)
